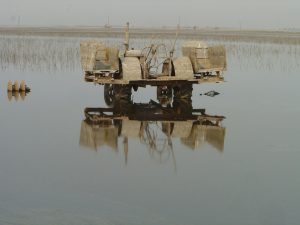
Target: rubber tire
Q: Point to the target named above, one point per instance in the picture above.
(184, 91)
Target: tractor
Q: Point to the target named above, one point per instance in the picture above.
(154, 65)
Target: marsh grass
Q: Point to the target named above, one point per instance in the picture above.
(38, 54)
(270, 57)
(61, 54)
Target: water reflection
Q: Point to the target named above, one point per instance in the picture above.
(155, 124)
(16, 96)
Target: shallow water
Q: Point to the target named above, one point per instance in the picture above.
(49, 177)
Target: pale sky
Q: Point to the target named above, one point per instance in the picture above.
(212, 13)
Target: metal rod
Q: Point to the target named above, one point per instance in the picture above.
(126, 43)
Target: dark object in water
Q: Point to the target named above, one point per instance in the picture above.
(13, 87)
(23, 87)
(16, 88)
(211, 93)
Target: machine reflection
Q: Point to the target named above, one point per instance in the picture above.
(155, 124)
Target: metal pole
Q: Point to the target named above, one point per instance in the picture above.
(173, 50)
(126, 43)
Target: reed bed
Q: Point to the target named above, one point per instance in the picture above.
(38, 54)
(61, 54)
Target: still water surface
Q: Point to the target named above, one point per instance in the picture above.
(47, 176)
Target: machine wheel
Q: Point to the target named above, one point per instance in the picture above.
(164, 91)
(183, 106)
(109, 94)
(115, 93)
(123, 92)
(164, 95)
(183, 68)
(183, 91)
(131, 68)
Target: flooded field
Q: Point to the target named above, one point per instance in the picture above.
(234, 158)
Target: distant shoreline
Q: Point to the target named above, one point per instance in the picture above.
(222, 34)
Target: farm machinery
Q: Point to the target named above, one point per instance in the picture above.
(155, 65)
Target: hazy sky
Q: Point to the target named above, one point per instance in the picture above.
(202, 13)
